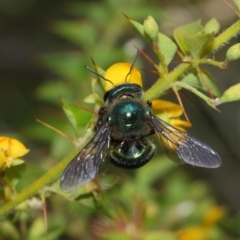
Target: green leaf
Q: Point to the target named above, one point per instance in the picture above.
(196, 44)
(79, 118)
(192, 39)
(166, 46)
(37, 229)
(98, 84)
(203, 81)
(91, 98)
(231, 94)
(138, 26)
(182, 32)
(8, 231)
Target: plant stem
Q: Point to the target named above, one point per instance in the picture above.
(47, 178)
(222, 38)
(165, 83)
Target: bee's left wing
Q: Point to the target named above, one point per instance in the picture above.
(183, 148)
(84, 167)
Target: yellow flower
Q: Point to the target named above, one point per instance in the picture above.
(202, 232)
(192, 233)
(119, 73)
(10, 150)
(213, 216)
(170, 113)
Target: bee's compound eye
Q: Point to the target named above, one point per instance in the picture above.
(109, 119)
(148, 113)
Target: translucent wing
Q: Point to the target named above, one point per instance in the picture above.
(84, 167)
(183, 148)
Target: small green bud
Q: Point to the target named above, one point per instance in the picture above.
(231, 94)
(151, 28)
(233, 53)
(212, 26)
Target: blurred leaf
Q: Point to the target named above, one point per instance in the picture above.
(51, 91)
(69, 65)
(82, 33)
(37, 230)
(79, 118)
(14, 173)
(157, 235)
(116, 236)
(203, 81)
(8, 231)
(237, 2)
(91, 98)
(152, 172)
(98, 90)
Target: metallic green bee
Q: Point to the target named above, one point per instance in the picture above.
(124, 124)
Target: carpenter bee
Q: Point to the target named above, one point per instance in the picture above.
(124, 124)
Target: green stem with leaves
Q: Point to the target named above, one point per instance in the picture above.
(165, 83)
(47, 178)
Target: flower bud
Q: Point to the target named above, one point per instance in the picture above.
(233, 53)
(151, 28)
(212, 26)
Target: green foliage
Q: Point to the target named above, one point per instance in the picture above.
(157, 201)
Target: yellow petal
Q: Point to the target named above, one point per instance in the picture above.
(12, 147)
(213, 215)
(180, 124)
(192, 233)
(118, 74)
(2, 159)
(172, 109)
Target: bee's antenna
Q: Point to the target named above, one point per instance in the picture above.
(132, 65)
(99, 75)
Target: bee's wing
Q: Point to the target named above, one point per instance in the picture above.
(183, 148)
(84, 167)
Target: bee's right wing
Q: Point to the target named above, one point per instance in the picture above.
(182, 148)
(84, 167)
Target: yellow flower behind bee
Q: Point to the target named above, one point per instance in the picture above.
(119, 73)
(170, 112)
(10, 149)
